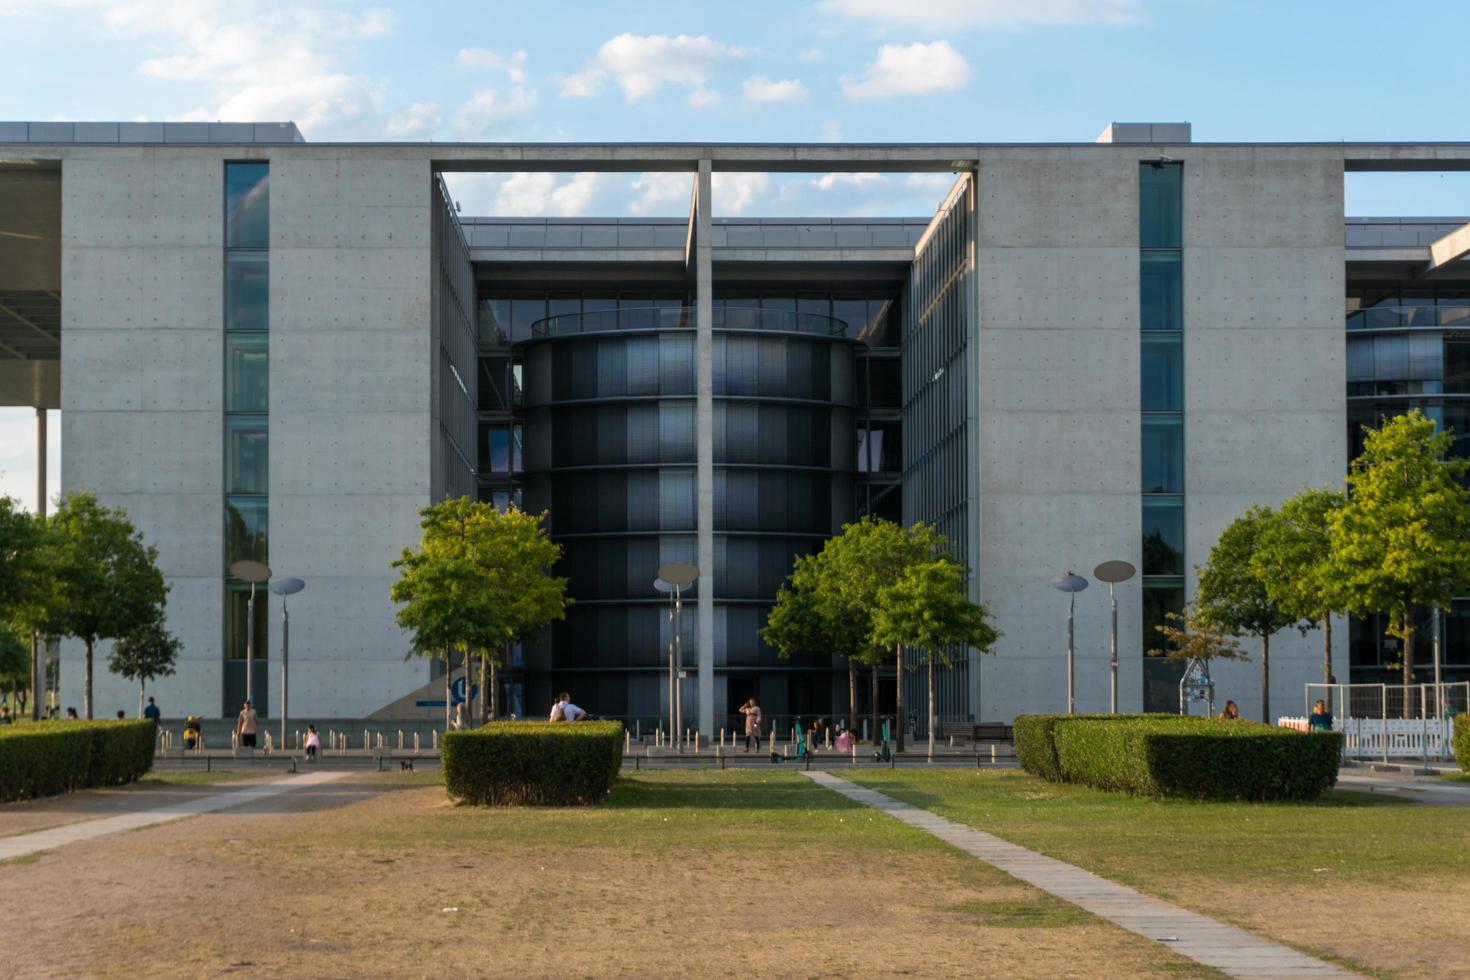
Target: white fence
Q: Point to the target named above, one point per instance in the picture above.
(1407, 738)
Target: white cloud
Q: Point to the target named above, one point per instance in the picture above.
(827, 182)
(909, 69)
(274, 61)
(662, 193)
(831, 131)
(416, 120)
(938, 15)
(486, 110)
(812, 54)
(552, 195)
(702, 97)
(759, 88)
(514, 64)
(643, 64)
(740, 193)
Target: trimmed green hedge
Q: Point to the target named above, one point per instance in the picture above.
(1036, 750)
(518, 763)
(1196, 758)
(1462, 741)
(53, 757)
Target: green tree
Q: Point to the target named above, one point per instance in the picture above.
(1403, 537)
(22, 585)
(1187, 636)
(15, 668)
(1232, 598)
(928, 608)
(106, 582)
(806, 618)
(1294, 562)
(149, 651)
(867, 557)
(479, 581)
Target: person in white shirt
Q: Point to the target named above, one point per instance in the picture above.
(564, 710)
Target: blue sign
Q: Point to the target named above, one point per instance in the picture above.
(456, 691)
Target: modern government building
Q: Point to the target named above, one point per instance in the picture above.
(268, 348)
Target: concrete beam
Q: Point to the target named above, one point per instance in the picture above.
(30, 384)
(1450, 248)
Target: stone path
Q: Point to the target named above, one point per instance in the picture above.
(1231, 950)
(1428, 791)
(22, 845)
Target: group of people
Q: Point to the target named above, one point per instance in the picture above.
(815, 736)
(1320, 720)
(564, 710)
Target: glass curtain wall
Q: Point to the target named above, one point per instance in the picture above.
(1161, 376)
(246, 430)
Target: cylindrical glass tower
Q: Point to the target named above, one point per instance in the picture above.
(611, 453)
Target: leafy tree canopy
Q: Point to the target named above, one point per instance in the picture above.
(1188, 636)
(928, 607)
(1293, 557)
(1231, 597)
(148, 652)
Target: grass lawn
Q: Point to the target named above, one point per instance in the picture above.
(679, 874)
(1383, 885)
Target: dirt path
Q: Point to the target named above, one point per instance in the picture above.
(359, 880)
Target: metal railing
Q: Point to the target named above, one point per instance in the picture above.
(683, 317)
(1408, 317)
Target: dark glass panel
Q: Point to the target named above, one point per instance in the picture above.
(246, 454)
(494, 384)
(1161, 291)
(247, 291)
(525, 311)
(246, 530)
(1457, 365)
(517, 456)
(236, 606)
(1162, 372)
(1163, 535)
(882, 329)
(886, 391)
(495, 322)
(247, 373)
(247, 205)
(853, 312)
(1163, 453)
(1160, 205)
(495, 448)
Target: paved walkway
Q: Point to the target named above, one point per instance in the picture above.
(1231, 950)
(22, 845)
(1430, 791)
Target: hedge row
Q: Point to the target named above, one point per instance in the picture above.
(515, 763)
(1462, 741)
(1170, 755)
(54, 757)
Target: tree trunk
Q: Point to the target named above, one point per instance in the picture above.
(1408, 658)
(873, 683)
(448, 686)
(87, 683)
(141, 684)
(484, 689)
(1327, 649)
(851, 695)
(931, 705)
(1266, 679)
(38, 683)
(898, 693)
(494, 692)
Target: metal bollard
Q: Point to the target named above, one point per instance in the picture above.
(415, 741)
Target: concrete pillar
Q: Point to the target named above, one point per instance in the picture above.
(704, 430)
(37, 649)
(972, 427)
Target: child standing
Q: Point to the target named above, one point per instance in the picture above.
(313, 743)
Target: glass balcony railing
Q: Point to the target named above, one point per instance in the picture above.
(682, 317)
(1409, 317)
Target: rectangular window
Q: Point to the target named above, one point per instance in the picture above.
(1162, 372)
(1160, 205)
(1163, 535)
(1161, 291)
(236, 617)
(246, 454)
(1457, 365)
(524, 313)
(494, 383)
(246, 528)
(1163, 453)
(495, 448)
(247, 291)
(247, 205)
(247, 373)
(494, 322)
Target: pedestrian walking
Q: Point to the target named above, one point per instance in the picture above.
(752, 713)
(247, 725)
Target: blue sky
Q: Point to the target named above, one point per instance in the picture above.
(755, 70)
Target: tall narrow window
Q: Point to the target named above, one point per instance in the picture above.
(1161, 400)
(247, 429)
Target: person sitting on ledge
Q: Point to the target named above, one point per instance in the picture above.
(1231, 712)
(564, 710)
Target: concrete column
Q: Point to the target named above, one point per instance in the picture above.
(704, 429)
(972, 425)
(37, 649)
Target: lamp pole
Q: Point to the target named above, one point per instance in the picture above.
(675, 576)
(253, 572)
(283, 588)
(1070, 584)
(1113, 572)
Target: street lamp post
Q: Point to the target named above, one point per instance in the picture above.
(284, 587)
(1070, 584)
(678, 574)
(253, 572)
(1113, 572)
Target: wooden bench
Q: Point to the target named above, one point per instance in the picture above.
(984, 731)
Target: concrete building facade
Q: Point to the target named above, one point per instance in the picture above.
(1089, 352)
